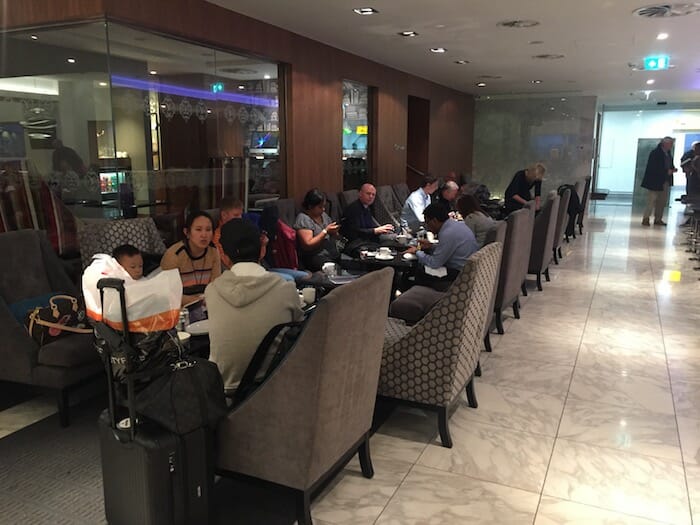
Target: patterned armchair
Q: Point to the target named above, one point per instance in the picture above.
(562, 218)
(496, 234)
(584, 203)
(387, 209)
(542, 239)
(430, 363)
(402, 192)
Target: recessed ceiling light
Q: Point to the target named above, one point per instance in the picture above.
(440, 26)
(438, 49)
(536, 81)
(563, 99)
(153, 72)
(34, 37)
(662, 36)
(102, 84)
(461, 62)
(650, 81)
(408, 33)
(365, 10)
(551, 108)
(241, 86)
(519, 24)
(267, 77)
(481, 84)
(208, 110)
(70, 60)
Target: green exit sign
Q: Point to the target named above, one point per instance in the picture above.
(656, 63)
(217, 87)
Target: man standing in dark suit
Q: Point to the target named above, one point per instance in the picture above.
(658, 176)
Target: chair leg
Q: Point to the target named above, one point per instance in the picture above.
(63, 410)
(554, 256)
(580, 228)
(559, 250)
(487, 342)
(546, 274)
(303, 503)
(516, 309)
(539, 281)
(443, 428)
(471, 394)
(523, 289)
(566, 238)
(477, 372)
(365, 459)
(499, 322)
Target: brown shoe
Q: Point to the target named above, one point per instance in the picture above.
(659, 222)
(645, 222)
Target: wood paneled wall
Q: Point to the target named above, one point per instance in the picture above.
(314, 116)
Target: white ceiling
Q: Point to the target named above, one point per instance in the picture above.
(599, 38)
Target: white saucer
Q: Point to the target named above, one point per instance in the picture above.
(384, 257)
(410, 256)
(199, 328)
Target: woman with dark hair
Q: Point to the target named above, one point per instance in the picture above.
(474, 217)
(316, 232)
(195, 257)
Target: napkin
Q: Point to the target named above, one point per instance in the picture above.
(436, 272)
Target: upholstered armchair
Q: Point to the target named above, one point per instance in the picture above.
(542, 239)
(347, 197)
(315, 410)
(562, 218)
(30, 269)
(333, 206)
(584, 203)
(516, 256)
(387, 209)
(401, 191)
(432, 362)
(496, 234)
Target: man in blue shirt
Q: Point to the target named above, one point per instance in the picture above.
(412, 212)
(439, 264)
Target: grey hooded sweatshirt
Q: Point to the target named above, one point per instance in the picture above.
(243, 304)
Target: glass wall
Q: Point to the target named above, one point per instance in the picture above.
(119, 122)
(356, 134)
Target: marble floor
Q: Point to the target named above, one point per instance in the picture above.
(589, 405)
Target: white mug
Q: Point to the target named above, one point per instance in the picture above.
(329, 269)
(309, 295)
(384, 250)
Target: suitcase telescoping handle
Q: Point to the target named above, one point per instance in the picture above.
(118, 285)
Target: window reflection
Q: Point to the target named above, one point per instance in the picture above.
(355, 134)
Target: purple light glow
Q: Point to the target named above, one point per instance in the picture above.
(148, 85)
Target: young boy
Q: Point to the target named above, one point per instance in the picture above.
(130, 259)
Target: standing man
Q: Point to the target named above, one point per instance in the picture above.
(419, 200)
(692, 178)
(657, 177)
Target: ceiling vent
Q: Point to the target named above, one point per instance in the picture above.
(667, 10)
(548, 56)
(519, 24)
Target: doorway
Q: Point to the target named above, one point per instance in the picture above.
(417, 140)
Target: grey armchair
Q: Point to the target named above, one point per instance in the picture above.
(387, 209)
(584, 203)
(31, 269)
(315, 410)
(543, 238)
(401, 191)
(432, 362)
(333, 206)
(516, 256)
(496, 234)
(347, 197)
(562, 218)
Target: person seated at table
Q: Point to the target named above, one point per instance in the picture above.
(245, 302)
(439, 264)
(474, 217)
(195, 257)
(447, 195)
(518, 191)
(129, 257)
(412, 212)
(229, 208)
(316, 232)
(359, 226)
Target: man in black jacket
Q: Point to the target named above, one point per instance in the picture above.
(658, 176)
(358, 222)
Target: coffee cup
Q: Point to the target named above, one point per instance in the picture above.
(329, 269)
(384, 250)
(309, 295)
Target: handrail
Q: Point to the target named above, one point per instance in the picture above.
(414, 170)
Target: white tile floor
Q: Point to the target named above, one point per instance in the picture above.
(589, 406)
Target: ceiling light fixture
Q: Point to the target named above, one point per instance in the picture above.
(34, 37)
(267, 77)
(518, 24)
(102, 84)
(437, 49)
(481, 84)
(408, 33)
(241, 86)
(662, 36)
(563, 99)
(536, 81)
(153, 72)
(650, 81)
(70, 60)
(365, 11)
(461, 62)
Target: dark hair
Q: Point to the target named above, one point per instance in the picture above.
(427, 179)
(313, 198)
(125, 250)
(195, 215)
(230, 203)
(468, 204)
(436, 211)
(240, 240)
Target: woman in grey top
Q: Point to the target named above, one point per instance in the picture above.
(316, 232)
(474, 217)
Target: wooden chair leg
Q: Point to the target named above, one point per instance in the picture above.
(477, 372)
(554, 256)
(523, 289)
(539, 281)
(471, 394)
(546, 274)
(487, 342)
(443, 428)
(560, 255)
(365, 459)
(303, 502)
(63, 410)
(499, 322)
(516, 309)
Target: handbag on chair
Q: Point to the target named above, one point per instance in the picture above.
(64, 315)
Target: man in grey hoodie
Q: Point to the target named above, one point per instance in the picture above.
(245, 302)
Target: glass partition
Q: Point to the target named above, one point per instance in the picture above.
(118, 122)
(356, 134)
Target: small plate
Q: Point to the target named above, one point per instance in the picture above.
(409, 256)
(199, 328)
(384, 257)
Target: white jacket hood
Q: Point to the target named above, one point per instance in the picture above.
(243, 290)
